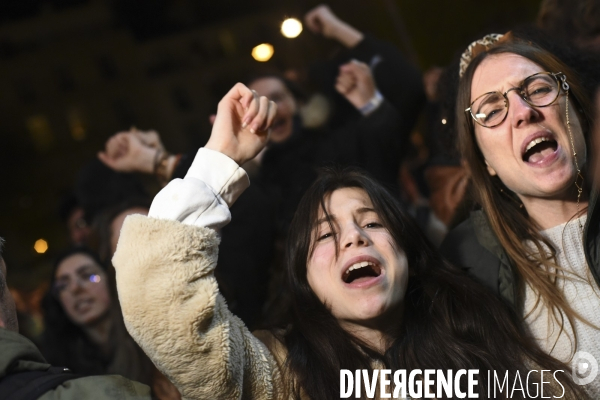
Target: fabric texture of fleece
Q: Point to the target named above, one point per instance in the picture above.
(173, 309)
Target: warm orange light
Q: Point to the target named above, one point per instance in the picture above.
(291, 28)
(40, 246)
(263, 52)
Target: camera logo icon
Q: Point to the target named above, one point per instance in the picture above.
(585, 368)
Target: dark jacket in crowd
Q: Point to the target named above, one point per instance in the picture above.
(18, 354)
(373, 143)
(377, 142)
(398, 80)
(474, 245)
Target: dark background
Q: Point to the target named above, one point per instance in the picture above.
(74, 72)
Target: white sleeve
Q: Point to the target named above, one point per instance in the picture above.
(203, 197)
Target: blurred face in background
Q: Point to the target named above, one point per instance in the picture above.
(275, 89)
(79, 231)
(81, 288)
(117, 224)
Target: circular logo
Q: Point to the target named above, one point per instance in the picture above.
(585, 368)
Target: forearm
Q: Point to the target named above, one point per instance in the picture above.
(204, 195)
(346, 34)
(170, 298)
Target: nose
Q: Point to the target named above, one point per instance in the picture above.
(521, 112)
(76, 285)
(354, 236)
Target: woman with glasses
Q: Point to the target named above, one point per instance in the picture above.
(84, 327)
(524, 123)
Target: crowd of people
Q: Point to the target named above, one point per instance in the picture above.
(311, 235)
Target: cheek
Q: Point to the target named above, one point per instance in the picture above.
(487, 145)
(68, 303)
(318, 270)
(286, 108)
(102, 295)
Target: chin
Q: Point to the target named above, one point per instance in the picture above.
(370, 312)
(91, 318)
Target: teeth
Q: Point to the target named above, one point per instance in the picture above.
(536, 141)
(358, 265)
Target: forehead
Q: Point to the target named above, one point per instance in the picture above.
(70, 264)
(347, 200)
(267, 85)
(499, 72)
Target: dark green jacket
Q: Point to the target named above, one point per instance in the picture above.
(473, 245)
(18, 354)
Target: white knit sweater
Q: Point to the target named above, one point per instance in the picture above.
(582, 292)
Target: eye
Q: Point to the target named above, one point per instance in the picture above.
(373, 225)
(85, 275)
(324, 236)
(89, 276)
(490, 115)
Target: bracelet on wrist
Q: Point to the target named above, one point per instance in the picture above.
(372, 104)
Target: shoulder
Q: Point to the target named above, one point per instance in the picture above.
(99, 387)
(274, 344)
(463, 247)
(460, 241)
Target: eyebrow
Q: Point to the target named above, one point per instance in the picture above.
(362, 210)
(487, 100)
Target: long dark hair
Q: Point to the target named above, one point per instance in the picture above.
(66, 344)
(449, 321)
(508, 219)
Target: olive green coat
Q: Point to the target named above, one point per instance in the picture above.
(18, 354)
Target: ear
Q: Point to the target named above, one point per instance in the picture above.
(491, 170)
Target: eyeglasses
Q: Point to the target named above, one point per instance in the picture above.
(538, 90)
(82, 278)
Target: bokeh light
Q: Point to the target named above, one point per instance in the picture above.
(291, 28)
(263, 52)
(40, 246)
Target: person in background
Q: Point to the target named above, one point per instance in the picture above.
(574, 21)
(26, 374)
(248, 241)
(73, 215)
(84, 325)
(366, 130)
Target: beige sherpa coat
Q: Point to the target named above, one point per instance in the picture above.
(173, 309)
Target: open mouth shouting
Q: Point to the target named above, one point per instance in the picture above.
(539, 149)
(362, 271)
